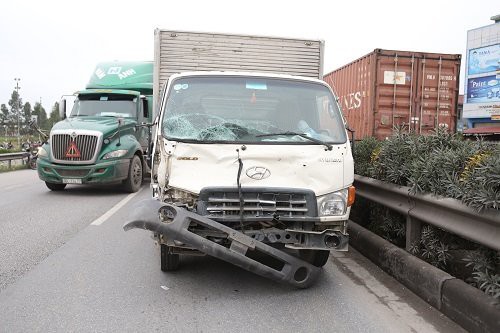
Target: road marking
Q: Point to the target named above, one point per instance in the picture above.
(115, 208)
(14, 187)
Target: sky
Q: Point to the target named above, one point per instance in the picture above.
(53, 46)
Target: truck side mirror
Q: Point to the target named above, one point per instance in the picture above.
(352, 136)
(62, 109)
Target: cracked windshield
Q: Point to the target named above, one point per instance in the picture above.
(243, 110)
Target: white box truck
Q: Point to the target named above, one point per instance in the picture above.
(251, 159)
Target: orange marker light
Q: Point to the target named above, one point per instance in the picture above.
(351, 195)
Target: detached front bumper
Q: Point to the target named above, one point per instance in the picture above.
(104, 172)
(173, 222)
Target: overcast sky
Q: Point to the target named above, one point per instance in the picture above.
(53, 46)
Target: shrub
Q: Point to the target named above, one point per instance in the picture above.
(486, 271)
(443, 164)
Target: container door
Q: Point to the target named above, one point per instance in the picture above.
(394, 91)
(436, 95)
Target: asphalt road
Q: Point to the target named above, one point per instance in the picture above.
(66, 268)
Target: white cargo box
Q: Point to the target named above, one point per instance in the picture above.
(182, 51)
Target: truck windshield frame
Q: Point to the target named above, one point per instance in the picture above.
(105, 105)
(251, 110)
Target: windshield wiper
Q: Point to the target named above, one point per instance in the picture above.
(302, 135)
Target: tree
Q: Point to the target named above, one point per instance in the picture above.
(27, 117)
(41, 116)
(4, 114)
(4, 118)
(16, 105)
(54, 115)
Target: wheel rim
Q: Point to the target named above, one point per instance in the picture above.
(136, 172)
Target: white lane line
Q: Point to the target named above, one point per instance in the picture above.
(8, 188)
(115, 208)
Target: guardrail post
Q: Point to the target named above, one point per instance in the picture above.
(9, 163)
(413, 231)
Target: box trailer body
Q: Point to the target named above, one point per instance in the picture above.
(184, 51)
(387, 89)
(251, 160)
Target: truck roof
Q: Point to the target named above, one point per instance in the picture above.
(249, 74)
(127, 75)
(108, 91)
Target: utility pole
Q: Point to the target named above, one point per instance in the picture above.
(18, 107)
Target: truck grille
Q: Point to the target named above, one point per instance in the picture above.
(84, 148)
(225, 203)
(72, 173)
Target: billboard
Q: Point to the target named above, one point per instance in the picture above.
(482, 110)
(482, 76)
(484, 60)
(483, 89)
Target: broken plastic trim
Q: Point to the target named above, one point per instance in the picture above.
(242, 251)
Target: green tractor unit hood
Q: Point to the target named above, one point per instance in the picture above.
(107, 126)
(128, 75)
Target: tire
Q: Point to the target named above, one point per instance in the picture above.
(32, 164)
(318, 258)
(55, 187)
(134, 180)
(169, 261)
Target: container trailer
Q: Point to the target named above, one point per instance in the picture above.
(388, 89)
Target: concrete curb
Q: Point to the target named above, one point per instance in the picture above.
(466, 305)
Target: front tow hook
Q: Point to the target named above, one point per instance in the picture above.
(245, 252)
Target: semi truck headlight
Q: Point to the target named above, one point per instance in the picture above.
(336, 203)
(115, 154)
(42, 153)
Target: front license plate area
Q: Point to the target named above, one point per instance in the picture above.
(71, 181)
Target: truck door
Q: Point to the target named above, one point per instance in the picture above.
(143, 120)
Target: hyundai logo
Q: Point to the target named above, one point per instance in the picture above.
(258, 173)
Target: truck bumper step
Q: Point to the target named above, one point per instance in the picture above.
(245, 252)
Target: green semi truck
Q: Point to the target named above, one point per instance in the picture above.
(106, 136)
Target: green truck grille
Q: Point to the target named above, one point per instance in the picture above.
(74, 148)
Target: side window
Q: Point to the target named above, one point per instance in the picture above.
(330, 120)
(145, 109)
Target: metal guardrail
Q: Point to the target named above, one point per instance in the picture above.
(13, 156)
(445, 213)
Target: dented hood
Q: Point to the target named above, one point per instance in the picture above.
(194, 166)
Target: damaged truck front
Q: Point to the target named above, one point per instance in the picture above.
(252, 168)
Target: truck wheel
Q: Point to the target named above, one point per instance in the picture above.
(32, 164)
(134, 180)
(55, 187)
(168, 259)
(317, 258)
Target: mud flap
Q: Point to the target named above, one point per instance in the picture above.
(173, 222)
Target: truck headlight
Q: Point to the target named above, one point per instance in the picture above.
(42, 153)
(175, 195)
(333, 204)
(115, 154)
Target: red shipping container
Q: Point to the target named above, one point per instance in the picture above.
(388, 89)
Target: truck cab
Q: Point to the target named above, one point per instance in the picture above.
(251, 163)
(105, 137)
(251, 158)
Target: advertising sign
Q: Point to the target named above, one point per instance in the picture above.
(482, 110)
(484, 60)
(483, 89)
